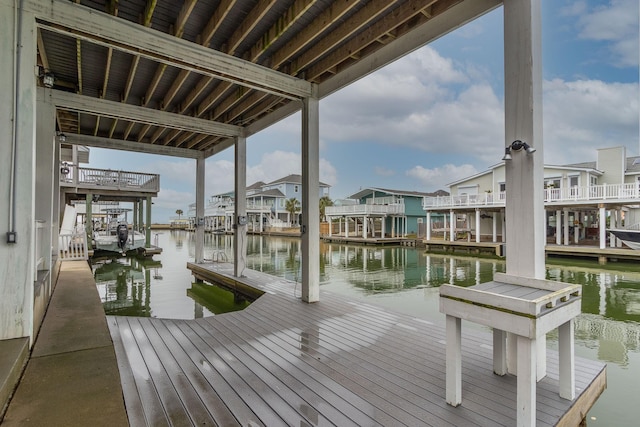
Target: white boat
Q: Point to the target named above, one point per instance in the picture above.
(117, 237)
(629, 236)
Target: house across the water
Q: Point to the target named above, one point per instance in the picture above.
(581, 201)
(379, 213)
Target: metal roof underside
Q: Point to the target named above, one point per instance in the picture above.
(324, 42)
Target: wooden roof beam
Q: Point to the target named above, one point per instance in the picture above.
(325, 20)
(291, 16)
(145, 20)
(383, 26)
(363, 17)
(249, 23)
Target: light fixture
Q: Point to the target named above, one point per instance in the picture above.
(62, 137)
(64, 170)
(517, 145)
(48, 79)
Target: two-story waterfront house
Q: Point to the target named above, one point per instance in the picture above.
(378, 213)
(266, 205)
(581, 201)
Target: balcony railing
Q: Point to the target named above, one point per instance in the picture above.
(628, 193)
(107, 179)
(365, 209)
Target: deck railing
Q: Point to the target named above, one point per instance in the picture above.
(107, 179)
(609, 192)
(365, 209)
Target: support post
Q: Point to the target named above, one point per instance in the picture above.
(147, 230)
(566, 360)
(240, 234)
(200, 173)
(602, 226)
(310, 199)
(499, 352)
(428, 232)
(526, 383)
(477, 225)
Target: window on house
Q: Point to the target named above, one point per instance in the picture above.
(503, 186)
(295, 188)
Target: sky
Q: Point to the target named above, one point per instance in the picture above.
(436, 115)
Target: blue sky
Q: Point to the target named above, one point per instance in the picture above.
(436, 115)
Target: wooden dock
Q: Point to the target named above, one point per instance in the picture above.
(494, 248)
(584, 251)
(335, 362)
(378, 241)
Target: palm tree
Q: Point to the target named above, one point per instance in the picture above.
(179, 212)
(292, 206)
(324, 202)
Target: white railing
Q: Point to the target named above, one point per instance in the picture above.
(73, 246)
(612, 192)
(108, 179)
(365, 209)
(486, 199)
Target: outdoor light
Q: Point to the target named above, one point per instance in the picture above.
(517, 145)
(62, 137)
(48, 79)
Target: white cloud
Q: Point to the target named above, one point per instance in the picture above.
(618, 23)
(582, 116)
(438, 178)
(173, 200)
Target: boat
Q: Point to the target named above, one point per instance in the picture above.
(629, 236)
(117, 236)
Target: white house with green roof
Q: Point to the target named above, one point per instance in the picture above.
(580, 199)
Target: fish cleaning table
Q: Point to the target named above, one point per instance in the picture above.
(525, 309)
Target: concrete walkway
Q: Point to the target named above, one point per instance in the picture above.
(72, 378)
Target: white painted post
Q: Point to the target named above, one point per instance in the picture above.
(452, 226)
(477, 225)
(526, 383)
(566, 360)
(310, 242)
(346, 226)
(453, 362)
(47, 175)
(499, 352)
(365, 220)
(494, 229)
(240, 207)
(576, 227)
(200, 174)
(565, 227)
(428, 225)
(603, 226)
(558, 227)
(329, 220)
(383, 227)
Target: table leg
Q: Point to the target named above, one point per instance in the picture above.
(526, 382)
(454, 361)
(567, 360)
(499, 352)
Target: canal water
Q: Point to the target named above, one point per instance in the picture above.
(400, 278)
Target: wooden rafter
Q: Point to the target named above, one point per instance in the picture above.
(146, 21)
(387, 24)
(112, 8)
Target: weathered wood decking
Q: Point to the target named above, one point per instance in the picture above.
(336, 362)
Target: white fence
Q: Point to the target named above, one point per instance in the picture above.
(108, 179)
(365, 209)
(72, 247)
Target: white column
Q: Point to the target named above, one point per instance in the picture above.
(452, 226)
(565, 227)
(47, 172)
(477, 225)
(17, 180)
(603, 226)
(310, 200)
(365, 220)
(576, 227)
(523, 121)
(558, 227)
(494, 229)
(329, 220)
(503, 227)
(240, 206)
(346, 226)
(428, 232)
(383, 227)
(393, 226)
(200, 169)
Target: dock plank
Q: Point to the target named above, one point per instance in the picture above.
(336, 362)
